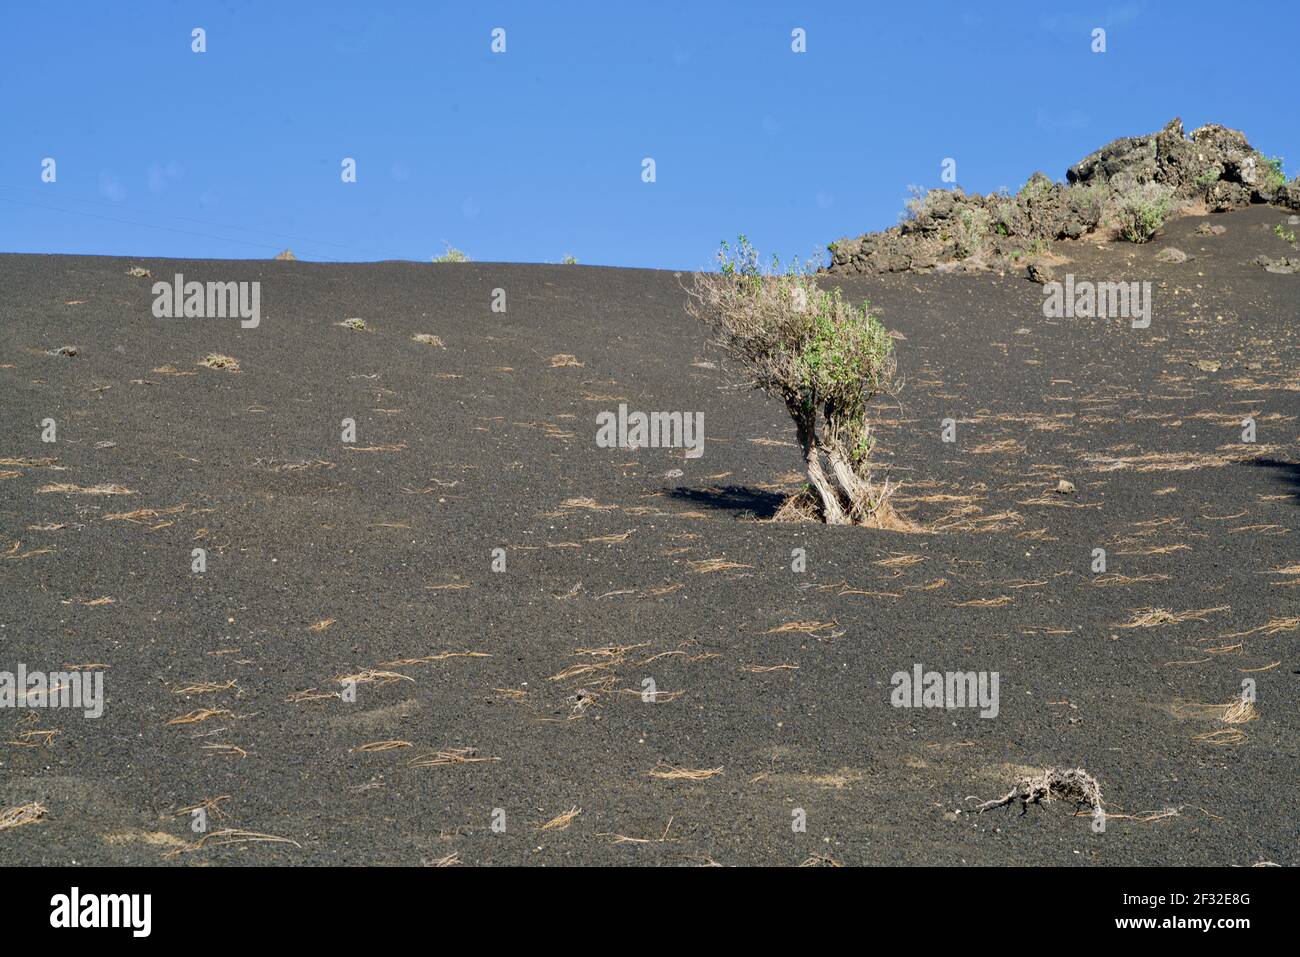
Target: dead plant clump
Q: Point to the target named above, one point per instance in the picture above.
(219, 362)
(1236, 711)
(144, 514)
(823, 357)
(70, 489)
(202, 714)
(447, 756)
(668, 772)
(372, 676)
(561, 822)
(1151, 617)
(206, 687)
(821, 630)
(21, 814)
(805, 506)
(709, 565)
(229, 836)
(1075, 785)
(377, 746)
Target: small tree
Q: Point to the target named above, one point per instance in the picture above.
(821, 356)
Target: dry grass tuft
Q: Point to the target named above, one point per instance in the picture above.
(144, 514)
(971, 518)
(1236, 711)
(804, 506)
(210, 805)
(562, 821)
(202, 714)
(448, 756)
(624, 839)
(565, 361)
(225, 750)
(69, 489)
(230, 836)
(312, 694)
(40, 738)
(1274, 626)
(1101, 581)
(1224, 737)
(801, 507)
(986, 602)
(206, 687)
(1150, 617)
(216, 360)
(21, 814)
(16, 551)
(710, 565)
(589, 504)
(374, 746)
(668, 772)
(809, 628)
(1177, 461)
(371, 676)
(429, 659)
(900, 561)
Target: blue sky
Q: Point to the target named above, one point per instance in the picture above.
(537, 152)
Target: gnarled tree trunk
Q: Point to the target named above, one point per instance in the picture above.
(806, 425)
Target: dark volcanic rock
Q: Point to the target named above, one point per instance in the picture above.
(1040, 273)
(1283, 265)
(1288, 195)
(1189, 166)
(1214, 165)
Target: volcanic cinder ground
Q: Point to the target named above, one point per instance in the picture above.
(522, 689)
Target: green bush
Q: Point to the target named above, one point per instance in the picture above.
(1141, 210)
(823, 357)
(1274, 177)
(451, 255)
(971, 229)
